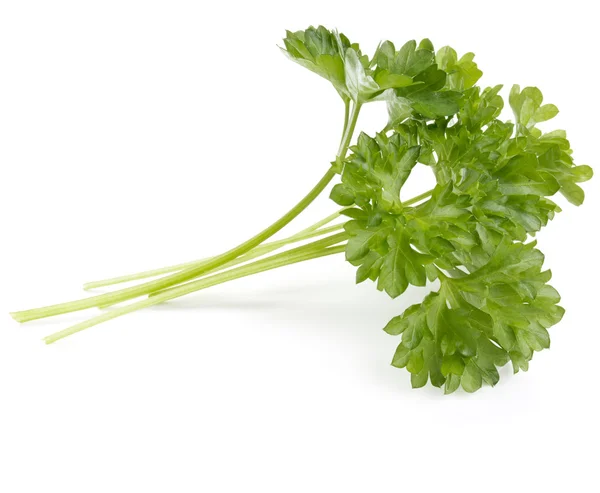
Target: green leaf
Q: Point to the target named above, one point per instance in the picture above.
(397, 325)
(341, 195)
(546, 112)
(452, 383)
(436, 104)
(527, 106)
(361, 86)
(361, 241)
(430, 79)
(399, 109)
(387, 80)
(401, 266)
(378, 168)
(465, 331)
(495, 180)
(582, 173)
(412, 60)
(463, 73)
(321, 51)
(572, 192)
(471, 379)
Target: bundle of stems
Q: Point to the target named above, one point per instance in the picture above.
(181, 279)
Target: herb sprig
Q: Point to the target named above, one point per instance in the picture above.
(470, 235)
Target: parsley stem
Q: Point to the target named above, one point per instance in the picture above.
(179, 277)
(261, 250)
(314, 246)
(316, 249)
(310, 232)
(348, 130)
(346, 115)
(418, 198)
(194, 272)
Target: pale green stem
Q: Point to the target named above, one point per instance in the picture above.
(322, 243)
(348, 130)
(300, 254)
(194, 272)
(346, 116)
(177, 278)
(305, 234)
(302, 235)
(418, 198)
(260, 251)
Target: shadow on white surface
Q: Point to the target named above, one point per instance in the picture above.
(331, 313)
(333, 310)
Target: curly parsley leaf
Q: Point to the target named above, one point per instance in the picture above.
(493, 192)
(528, 108)
(322, 51)
(360, 85)
(462, 73)
(478, 322)
(408, 79)
(376, 171)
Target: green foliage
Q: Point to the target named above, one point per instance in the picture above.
(528, 108)
(462, 73)
(322, 52)
(408, 79)
(377, 170)
(477, 322)
(494, 183)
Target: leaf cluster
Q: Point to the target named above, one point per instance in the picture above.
(408, 79)
(472, 236)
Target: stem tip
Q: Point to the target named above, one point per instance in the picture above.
(18, 316)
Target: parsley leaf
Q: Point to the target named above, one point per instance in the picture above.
(492, 195)
(478, 322)
(321, 51)
(408, 79)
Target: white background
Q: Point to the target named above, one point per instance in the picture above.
(138, 134)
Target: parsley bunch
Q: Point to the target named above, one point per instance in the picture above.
(469, 235)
